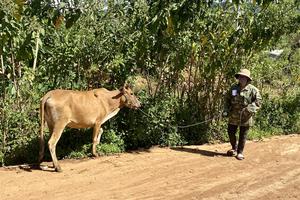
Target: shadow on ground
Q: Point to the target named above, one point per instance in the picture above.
(199, 151)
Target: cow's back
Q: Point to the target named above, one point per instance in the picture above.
(79, 108)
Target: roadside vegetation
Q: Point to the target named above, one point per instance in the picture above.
(181, 57)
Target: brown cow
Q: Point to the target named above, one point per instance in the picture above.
(80, 109)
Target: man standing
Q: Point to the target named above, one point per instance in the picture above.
(241, 103)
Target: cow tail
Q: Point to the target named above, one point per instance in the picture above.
(42, 120)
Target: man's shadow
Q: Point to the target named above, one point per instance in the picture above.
(199, 151)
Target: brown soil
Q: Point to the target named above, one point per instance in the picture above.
(271, 170)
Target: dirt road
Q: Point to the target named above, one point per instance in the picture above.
(271, 170)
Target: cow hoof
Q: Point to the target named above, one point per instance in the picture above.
(95, 155)
(58, 169)
(44, 168)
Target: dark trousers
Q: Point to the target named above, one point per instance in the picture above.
(232, 129)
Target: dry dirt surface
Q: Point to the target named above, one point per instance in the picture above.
(271, 170)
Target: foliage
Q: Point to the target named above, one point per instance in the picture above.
(186, 51)
(155, 124)
(19, 123)
(281, 113)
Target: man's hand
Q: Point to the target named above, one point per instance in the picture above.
(251, 108)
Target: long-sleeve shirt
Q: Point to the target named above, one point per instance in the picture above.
(242, 104)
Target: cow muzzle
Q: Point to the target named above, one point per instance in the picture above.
(137, 105)
(132, 102)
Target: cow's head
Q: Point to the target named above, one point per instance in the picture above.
(130, 100)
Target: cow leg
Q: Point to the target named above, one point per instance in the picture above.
(49, 122)
(99, 135)
(97, 131)
(57, 131)
(42, 146)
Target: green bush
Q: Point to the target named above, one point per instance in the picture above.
(76, 143)
(153, 124)
(279, 114)
(19, 126)
(111, 142)
(106, 149)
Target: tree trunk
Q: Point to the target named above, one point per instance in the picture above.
(36, 50)
(2, 64)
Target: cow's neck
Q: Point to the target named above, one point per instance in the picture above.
(115, 104)
(116, 100)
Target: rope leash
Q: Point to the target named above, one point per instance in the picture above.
(190, 125)
(203, 122)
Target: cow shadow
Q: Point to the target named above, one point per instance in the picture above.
(199, 151)
(30, 167)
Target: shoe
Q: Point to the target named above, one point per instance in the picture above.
(240, 156)
(231, 152)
